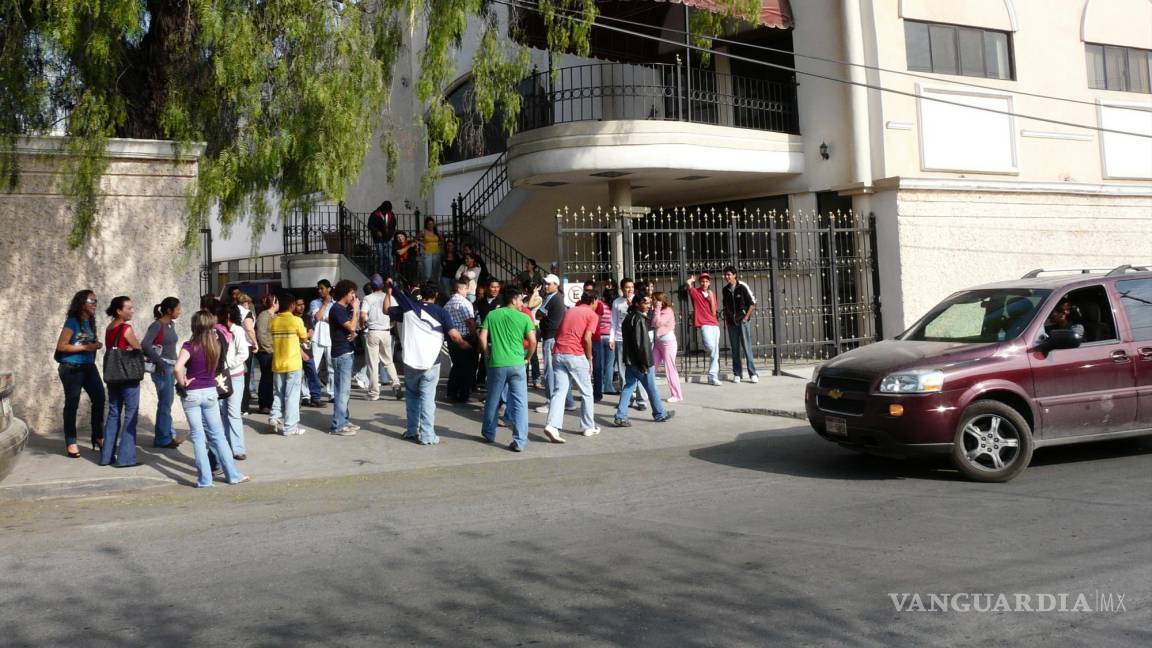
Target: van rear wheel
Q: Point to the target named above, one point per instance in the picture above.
(993, 442)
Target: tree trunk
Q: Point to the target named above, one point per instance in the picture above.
(162, 56)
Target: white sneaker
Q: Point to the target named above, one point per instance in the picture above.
(361, 383)
(351, 426)
(714, 381)
(736, 379)
(373, 397)
(553, 434)
(754, 379)
(675, 400)
(541, 409)
(344, 431)
(592, 431)
(277, 425)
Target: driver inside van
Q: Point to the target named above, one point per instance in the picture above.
(1062, 317)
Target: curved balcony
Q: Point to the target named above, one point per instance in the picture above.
(656, 91)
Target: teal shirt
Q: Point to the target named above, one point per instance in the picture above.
(83, 332)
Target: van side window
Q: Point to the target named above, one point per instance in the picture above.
(1093, 311)
(1136, 297)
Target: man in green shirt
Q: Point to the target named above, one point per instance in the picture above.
(507, 339)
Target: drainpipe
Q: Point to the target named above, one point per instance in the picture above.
(861, 170)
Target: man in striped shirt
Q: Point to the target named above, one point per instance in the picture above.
(462, 316)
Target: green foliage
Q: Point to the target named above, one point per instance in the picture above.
(287, 94)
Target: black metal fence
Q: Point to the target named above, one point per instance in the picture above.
(656, 91)
(814, 275)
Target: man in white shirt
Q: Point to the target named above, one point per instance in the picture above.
(378, 339)
(322, 335)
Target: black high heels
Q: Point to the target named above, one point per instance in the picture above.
(97, 444)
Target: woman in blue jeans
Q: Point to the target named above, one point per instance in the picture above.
(124, 398)
(76, 352)
(160, 347)
(196, 374)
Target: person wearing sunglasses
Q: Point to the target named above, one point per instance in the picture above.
(76, 349)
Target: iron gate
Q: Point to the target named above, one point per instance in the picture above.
(814, 275)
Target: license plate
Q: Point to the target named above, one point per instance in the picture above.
(836, 426)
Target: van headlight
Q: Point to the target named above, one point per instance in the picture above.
(919, 381)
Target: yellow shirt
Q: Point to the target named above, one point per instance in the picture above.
(431, 243)
(287, 333)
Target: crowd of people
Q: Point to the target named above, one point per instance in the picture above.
(501, 340)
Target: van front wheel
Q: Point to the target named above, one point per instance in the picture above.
(993, 442)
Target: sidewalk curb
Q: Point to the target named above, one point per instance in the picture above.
(80, 488)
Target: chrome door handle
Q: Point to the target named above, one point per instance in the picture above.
(1145, 353)
(1120, 356)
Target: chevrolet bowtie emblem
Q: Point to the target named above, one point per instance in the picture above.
(835, 393)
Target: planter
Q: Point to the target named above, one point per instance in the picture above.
(13, 431)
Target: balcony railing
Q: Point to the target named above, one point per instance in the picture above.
(661, 91)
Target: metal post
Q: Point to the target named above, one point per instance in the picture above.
(304, 233)
(874, 259)
(625, 224)
(679, 89)
(688, 60)
(560, 254)
(340, 224)
(206, 234)
(774, 289)
(834, 281)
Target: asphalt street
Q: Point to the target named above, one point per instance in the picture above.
(775, 538)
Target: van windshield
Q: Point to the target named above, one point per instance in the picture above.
(977, 316)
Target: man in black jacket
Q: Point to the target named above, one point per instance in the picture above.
(638, 366)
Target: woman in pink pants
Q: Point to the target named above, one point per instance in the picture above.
(664, 349)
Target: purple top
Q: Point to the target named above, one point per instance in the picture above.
(200, 375)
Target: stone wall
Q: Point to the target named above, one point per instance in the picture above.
(136, 250)
(951, 240)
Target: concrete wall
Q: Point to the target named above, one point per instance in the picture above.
(135, 250)
(935, 241)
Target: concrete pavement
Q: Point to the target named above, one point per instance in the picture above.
(708, 414)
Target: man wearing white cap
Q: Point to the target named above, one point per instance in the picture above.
(551, 315)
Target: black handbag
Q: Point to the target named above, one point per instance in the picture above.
(223, 380)
(122, 367)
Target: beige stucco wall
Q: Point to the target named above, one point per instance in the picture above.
(135, 250)
(935, 242)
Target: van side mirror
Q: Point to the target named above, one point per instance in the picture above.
(1060, 339)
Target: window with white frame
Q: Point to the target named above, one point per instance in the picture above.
(953, 49)
(1126, 69)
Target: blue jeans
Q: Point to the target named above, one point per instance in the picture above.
(647, 379)
(384, 257)
(120, 429)
(516, 379)
(420, 403)
(202, 406)
(431, 266)
(569, 370)
(607, 384)
(601, 366)
(740, 339)
(165, 394)
(230, 415)
(313, 379)
(286, 399)
(78, 378)
(550, 386)
(710, 335)
(341, 389)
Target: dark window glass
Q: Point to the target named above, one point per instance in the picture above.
(916, 44)
(971, 42)
(943, 41)
(1136, 296)
(1115, 64)
(1096, 76)
(947, 49)
(997, 61)
(1138, 71)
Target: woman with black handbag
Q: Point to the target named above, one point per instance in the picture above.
(123, 371)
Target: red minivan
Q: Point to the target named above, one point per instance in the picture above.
(995, 371)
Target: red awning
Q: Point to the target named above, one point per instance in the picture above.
(773, 13)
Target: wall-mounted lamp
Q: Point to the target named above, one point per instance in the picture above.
(823, 150)
(407, 204)
(404, 81)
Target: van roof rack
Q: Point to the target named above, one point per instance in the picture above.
(1109, 272)
(1039, 271)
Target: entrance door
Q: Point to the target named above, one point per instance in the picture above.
(1090, 389)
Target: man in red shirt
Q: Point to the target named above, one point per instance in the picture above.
(571, 363)
(704, 311)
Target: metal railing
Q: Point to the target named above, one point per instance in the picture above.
(656, 91)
